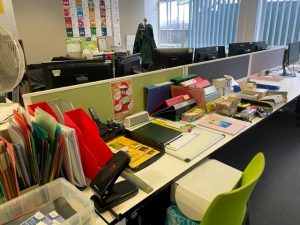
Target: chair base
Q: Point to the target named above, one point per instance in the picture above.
(174, 216)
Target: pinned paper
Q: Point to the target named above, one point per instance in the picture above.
(1, 7)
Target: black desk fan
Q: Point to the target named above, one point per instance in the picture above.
(108, 193)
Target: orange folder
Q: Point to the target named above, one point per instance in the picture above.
(93, 150)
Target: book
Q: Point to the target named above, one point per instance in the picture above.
(191, 82)
(222, 123)
(196, 82)
(178, 80)
(138, 152)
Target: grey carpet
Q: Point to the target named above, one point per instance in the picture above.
(276, 198)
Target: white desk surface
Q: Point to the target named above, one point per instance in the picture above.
(168, 168)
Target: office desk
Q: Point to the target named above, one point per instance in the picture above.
(168, 168)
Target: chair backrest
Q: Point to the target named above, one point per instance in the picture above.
(230, 208)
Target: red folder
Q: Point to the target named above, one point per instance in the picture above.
(177, 99)
(93, 150)
(195, 92)
(44, 106)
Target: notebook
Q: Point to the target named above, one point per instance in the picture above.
(222, 123)
(156, 133)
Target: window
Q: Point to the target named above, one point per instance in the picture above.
(173, 23)
(198, 23)
(278, 21)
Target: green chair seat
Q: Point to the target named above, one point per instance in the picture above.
(227, 208)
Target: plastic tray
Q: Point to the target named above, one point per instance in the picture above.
(46, 198)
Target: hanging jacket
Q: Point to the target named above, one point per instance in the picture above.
(144, 43)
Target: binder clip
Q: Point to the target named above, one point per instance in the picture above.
(107, 193)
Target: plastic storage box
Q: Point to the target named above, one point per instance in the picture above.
(59, 196)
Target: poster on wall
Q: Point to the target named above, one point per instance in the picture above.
(88, 18)
(92, 19)
(122, 98)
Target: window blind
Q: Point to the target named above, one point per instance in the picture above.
(278, 22)
(197, 23)
(213, 22)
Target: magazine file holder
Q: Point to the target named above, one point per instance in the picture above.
(108, 193)
(93, 150)
(44, 106)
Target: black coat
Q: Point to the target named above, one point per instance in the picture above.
(144, 43)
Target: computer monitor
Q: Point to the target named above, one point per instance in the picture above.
(171, 57)
(66, 73)
(239, 48)
(128, 64)
(209, 53)
(259, 46)
(291, 56)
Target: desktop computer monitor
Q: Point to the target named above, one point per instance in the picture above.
(291, 56)
(259, 46)
(128, 64)
(66, 73)
(239, 48)
(209, 53)
(171, 57)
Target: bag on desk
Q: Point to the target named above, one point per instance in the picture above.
(93, 150)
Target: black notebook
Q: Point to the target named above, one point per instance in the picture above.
(156, 133)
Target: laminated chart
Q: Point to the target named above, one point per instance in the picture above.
(91, 18)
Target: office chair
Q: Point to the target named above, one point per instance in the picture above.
(228, 208)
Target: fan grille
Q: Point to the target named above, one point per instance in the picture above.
(11, 61)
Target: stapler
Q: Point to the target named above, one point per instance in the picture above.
(107, 193)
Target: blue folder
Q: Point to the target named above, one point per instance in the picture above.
(155, 96)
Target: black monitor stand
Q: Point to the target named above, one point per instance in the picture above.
(285, 64)
(108, 193)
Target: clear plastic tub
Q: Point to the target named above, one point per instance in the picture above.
(59, 196)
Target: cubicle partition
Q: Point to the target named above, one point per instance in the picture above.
(267, 59)
(236, 66)
(98, 94)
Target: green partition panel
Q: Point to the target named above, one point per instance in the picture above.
(98, 94)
